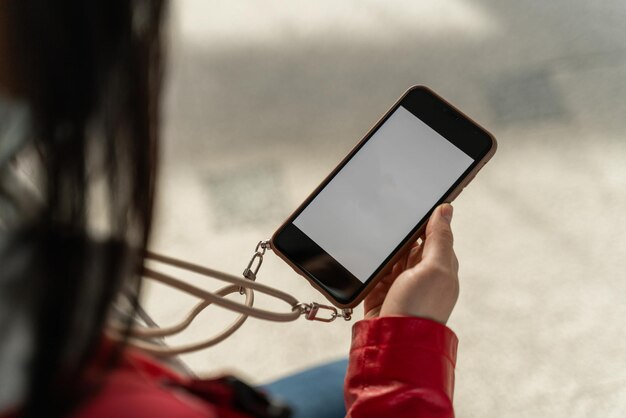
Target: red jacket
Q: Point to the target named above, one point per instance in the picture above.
(399, 367)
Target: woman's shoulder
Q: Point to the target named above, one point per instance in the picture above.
(129, 393)
(139, 386)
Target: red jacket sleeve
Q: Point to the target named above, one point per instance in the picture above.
(401, 367)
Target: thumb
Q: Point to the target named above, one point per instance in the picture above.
(439, 240)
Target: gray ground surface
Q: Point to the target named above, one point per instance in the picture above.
(263, 99)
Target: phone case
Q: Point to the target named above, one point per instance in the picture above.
(402, 251)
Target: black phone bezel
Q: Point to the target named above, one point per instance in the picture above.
(321, 267)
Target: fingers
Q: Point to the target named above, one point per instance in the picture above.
(438, 244)
(397, 268)
(415, 255)
(401, 264)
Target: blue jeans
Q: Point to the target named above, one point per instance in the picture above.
(313, 393)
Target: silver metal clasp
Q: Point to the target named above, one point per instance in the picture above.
(254, 265)
(312, 310)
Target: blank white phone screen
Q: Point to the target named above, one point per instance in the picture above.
(381, 194)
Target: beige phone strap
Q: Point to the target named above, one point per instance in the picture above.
(140, 335)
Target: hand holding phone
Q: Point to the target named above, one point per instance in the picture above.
(365, 216)
(425, 281)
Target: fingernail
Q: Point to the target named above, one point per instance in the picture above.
(446, 212)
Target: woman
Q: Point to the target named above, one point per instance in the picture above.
(79, 101)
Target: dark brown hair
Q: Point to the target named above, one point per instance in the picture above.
(90, 72)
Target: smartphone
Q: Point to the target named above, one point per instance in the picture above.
(375, 204)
